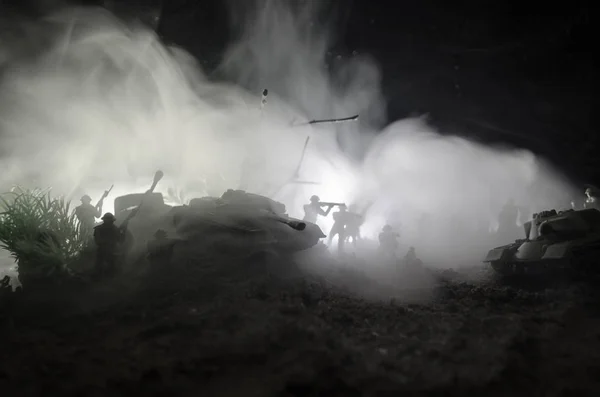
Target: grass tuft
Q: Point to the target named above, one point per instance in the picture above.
(40, 232)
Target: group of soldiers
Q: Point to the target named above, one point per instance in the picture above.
(107, 236)
(110, 239)
(346, 227)
(346, 224)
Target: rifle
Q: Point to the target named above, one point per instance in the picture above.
(104, 195)
(133, 213)
(328, 204)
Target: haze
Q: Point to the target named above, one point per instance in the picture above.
(87, 102)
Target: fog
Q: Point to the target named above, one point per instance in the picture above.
(87, 101)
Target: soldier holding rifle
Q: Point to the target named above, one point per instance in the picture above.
(112, 241)
(87, 214)
(314, 209)
(339, 227)
(108, 237)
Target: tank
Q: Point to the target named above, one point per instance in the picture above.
(238, 222)
(568, 240)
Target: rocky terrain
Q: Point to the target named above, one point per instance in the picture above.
(245, 328)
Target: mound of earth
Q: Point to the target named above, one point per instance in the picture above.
(226, 327)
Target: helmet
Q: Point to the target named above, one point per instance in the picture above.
(108, 217)
(86, 199)
(387, 228)
(314, 199)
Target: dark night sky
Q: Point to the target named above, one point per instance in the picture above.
(525, 68)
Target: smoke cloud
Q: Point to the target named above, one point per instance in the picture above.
(87, 101)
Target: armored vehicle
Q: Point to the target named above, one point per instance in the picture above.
(238, 222)
(258, 219)
(553, 241)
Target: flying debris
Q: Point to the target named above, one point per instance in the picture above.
(327, 121)
(295, 178)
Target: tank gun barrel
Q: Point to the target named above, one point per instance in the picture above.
(158, 175)
(296, 225)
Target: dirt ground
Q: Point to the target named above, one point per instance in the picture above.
(239, 328)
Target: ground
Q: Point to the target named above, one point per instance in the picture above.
(240, 328)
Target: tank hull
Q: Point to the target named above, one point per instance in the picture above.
(213, 226)
(565, 241)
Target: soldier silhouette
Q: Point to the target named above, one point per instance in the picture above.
(86, 213)
(388, 241)
(313, 209)
(591, 199)
(339, 227)
(507, 221)
(411, 259)
(353, 224)
(160, 249)
(108, 237)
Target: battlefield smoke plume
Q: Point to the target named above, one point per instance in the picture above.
(87, 101)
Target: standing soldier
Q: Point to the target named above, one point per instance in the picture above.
(388, 241)
(353, 224)
(507, 221)
(591, 200)
(160, 250)
(411, 259)
(107, 237)
(313, 210)
(339, 227)
(86, 213)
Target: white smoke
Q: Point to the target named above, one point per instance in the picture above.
(103, 102)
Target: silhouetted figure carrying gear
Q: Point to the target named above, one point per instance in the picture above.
(591, 199)
(411, 259)
(507, 221)
(108, 238)
(339, 227)
(160, 249)
(388, 241)
(314, 209)
(353, 224)
(86, 213)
